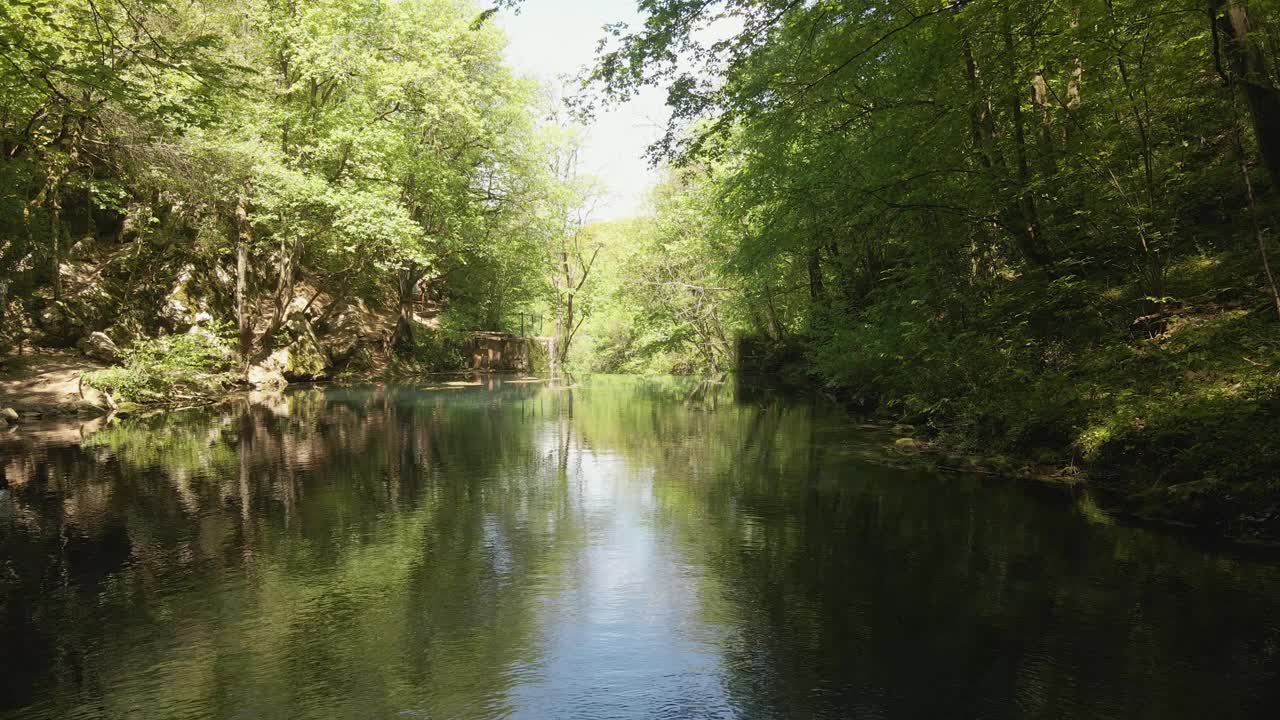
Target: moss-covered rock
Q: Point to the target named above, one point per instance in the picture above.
(127, 409)
(907, 445)
(305, 358)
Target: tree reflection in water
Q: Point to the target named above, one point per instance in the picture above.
(616, 548)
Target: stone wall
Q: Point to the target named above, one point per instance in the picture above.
(502, 352)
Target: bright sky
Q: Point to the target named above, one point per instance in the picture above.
(550, 38)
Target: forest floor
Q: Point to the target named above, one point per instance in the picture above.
(47, 382)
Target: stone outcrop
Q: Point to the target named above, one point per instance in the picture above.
(268, 374)
(907, 445)
(351, 327)
(179, 307)
(58, 327)
(305, 358)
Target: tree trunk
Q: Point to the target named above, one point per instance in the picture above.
(816, 289)
(1040, 99)
(1238, 145)
(1258, 236)
(774, 327)
(55, 234)
(406, 287)
(1074, 97)
(564, 311)
(1249, 72)
(557, 363)
(981, 118)
(1029, 232)
(244, 238)
(284, 290)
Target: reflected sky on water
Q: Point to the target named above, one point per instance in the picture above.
(623, 549)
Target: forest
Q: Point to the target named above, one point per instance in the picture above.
(1035, 228)
(1041, 228)
(320, 177)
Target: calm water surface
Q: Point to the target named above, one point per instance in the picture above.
(625, 549)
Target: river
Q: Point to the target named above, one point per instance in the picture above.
(622, 549)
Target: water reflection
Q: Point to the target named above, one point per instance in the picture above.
(622, 549)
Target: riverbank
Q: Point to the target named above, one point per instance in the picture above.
(50, 384)
(1211, 476)
(1221, 485)
(47, 384)
(1211, 510)
(1177, 422)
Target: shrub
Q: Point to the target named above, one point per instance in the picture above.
(170, 369)
(442, 350)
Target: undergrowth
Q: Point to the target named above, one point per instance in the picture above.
(170, 369)
(1181, 412)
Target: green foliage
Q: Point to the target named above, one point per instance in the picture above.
(431, 351)
(346, 150)
(668, 303)
(1020, 224)
(171, 369)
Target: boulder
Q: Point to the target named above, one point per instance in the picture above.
(303, 359)
(57, 327)
(907, 445)
(224, 277)
(269, 373)
(99, 347)
(8, 416)
(174, 311)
